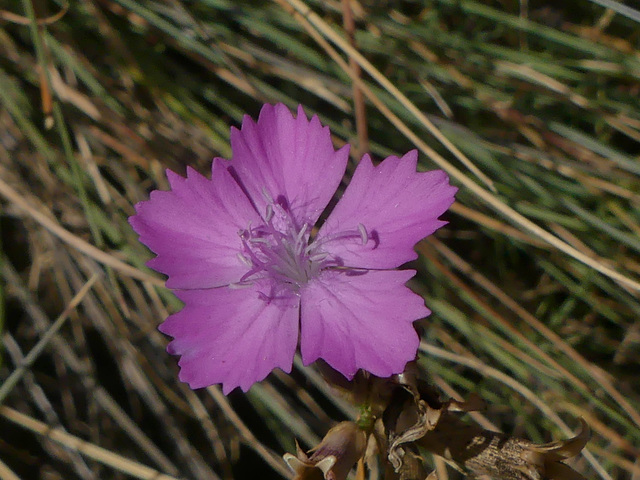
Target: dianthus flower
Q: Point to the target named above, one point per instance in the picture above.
(241, 251)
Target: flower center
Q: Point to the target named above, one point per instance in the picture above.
(281, 250)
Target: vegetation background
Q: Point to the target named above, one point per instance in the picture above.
(531, 106)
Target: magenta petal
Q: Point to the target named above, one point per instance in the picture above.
(397, 207)
(232, 336)
(193, 228)
(290, 159)
(360, 320)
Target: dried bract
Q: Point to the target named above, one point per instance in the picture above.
(333, 458)
(416, 419)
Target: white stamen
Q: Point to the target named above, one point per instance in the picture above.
(244, 260)
(269, 215)
(318, 257)
(301, 233)
(363, 233)
(267, 196)
(258, 240)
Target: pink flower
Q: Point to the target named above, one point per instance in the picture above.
(240, 252)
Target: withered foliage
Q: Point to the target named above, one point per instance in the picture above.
(404, 418)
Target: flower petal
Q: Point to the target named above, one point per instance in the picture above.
(291, 159)
(232, 336)
(193, 228)
(397, 207)
(360, 320)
